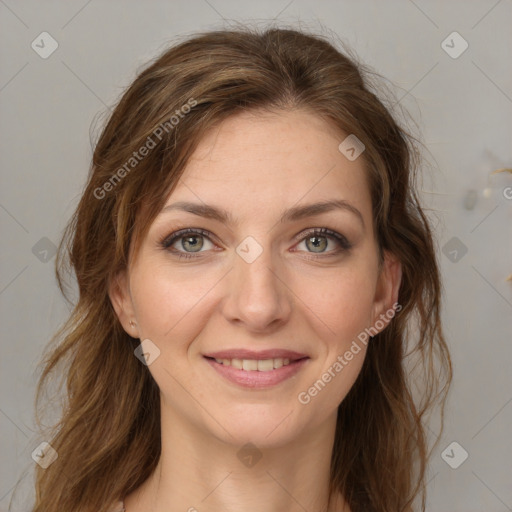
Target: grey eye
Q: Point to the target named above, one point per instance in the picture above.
(191, 243)
(316, 243)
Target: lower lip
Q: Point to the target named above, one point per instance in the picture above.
(257, 379)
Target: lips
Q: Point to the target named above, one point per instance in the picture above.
(257, 369)
(257, 355)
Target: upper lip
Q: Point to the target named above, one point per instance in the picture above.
(260, 355)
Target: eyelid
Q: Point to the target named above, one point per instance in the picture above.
(328, 233)
(167, 241)
(344, 245)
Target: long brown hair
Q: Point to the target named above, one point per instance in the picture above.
(108, 436)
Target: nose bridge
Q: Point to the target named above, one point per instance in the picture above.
(257, 295)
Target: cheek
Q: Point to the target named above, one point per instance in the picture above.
(168, 303)
(341, 300)
(343, 303)
(170, 308)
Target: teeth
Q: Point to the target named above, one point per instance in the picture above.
(265, 365)
(251, 365)
(237, 363)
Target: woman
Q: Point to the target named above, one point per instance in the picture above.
(259, 293)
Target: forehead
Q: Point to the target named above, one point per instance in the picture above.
(264, 161)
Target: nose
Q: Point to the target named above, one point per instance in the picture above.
(257, 294)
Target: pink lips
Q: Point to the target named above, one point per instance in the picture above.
(250, 354)
(257, 379)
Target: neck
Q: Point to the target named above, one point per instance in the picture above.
(198, 472)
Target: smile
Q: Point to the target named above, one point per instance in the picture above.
(257, 373)
(252, 365)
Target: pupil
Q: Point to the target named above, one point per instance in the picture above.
(192, 240)
(316, 241)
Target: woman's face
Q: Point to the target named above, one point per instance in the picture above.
(255, 286)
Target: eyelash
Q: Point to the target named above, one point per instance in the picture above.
(169, 240)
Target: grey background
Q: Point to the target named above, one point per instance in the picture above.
(462, 105)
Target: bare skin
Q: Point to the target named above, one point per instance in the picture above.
(304, 292)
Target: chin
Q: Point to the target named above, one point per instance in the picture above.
(262, 424)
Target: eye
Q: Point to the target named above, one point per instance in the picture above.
(188, 242)
(317, 241)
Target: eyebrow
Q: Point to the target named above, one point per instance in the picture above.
(291, 215)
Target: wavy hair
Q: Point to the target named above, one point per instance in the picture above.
(110, 418)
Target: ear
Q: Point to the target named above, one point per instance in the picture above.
(386, 292)
(120, 297)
